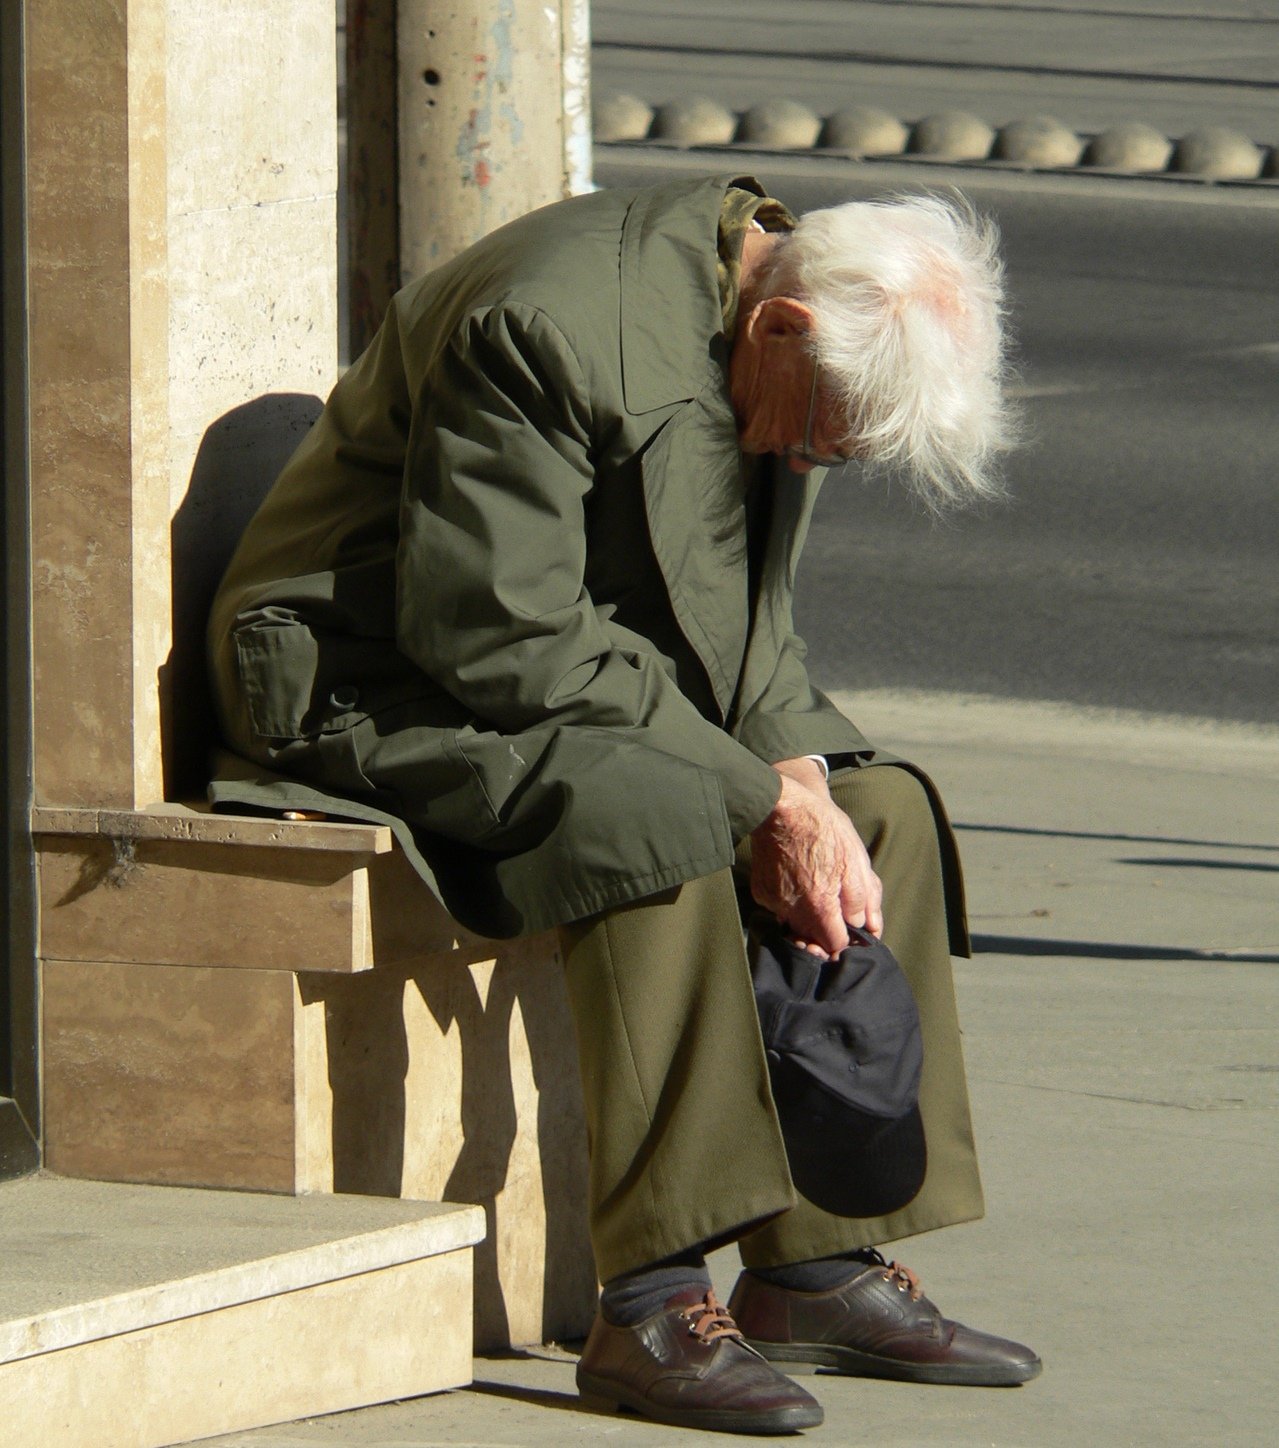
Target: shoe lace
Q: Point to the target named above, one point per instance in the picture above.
(709, 1320)
(898, 1274)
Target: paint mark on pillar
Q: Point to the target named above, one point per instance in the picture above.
(503, 44)
(511, 117)
(504, 68)
(494, 71)
(472, 141)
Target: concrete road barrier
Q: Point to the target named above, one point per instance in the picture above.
(621, 117)
(782, 123)
(1219, 152)
(1036, 143)
(694, 121)
(864, 131)
(1130, 146)
(952, 136)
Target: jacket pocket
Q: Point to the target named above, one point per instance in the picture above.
(298, 682)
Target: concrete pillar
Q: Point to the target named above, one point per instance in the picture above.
(407, 91)
(485, 133)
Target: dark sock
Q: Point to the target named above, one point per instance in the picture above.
(821, 1274)
(630, 1298)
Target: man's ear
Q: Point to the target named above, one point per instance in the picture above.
(776, 317)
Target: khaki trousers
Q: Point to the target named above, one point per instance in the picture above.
(685, 1148)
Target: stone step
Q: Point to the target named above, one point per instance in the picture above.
(142, 1316)
(270, 1005)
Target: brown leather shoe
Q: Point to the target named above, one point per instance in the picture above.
(689, 1365)
(877, 1325)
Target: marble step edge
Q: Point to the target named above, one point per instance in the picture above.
(442, 1227)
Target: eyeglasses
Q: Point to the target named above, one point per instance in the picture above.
(806, 453)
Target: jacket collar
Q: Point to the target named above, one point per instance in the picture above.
(699, 538)
(670, 308)
(675, 356)
(693, 499)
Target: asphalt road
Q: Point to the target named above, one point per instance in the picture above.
(1136, 563)
(1176, 64)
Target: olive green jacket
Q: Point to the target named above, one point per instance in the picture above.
(499, 596)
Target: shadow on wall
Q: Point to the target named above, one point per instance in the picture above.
(452, 1070)
(240, 456)
(455, 1079)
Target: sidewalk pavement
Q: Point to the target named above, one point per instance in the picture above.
(1122, 1039)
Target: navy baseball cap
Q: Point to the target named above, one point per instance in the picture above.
(845, 1053)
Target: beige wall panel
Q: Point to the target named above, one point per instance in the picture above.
(394, 1333)
(253, 309)
(184, 904)
(253, 105)
(82, 425)
(253, 312)
(163, 1074)
(313, 1145)
(149, 278)
(458, 1081)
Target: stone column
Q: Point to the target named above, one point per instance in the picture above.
(182, 268)
(97, 251)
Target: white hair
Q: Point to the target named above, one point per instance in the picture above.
(908, 299)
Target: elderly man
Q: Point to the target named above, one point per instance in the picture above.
(525, 593)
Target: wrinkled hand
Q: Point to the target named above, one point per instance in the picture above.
(810, 869)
